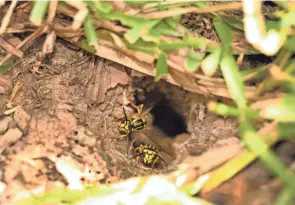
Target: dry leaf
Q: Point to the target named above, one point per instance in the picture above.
(49, 43)
(118, 75)
(214, 156)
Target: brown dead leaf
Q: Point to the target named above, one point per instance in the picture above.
(5, 85)
(10, 48)
(214, 156)
(12, 39)
(11, 136)
(49, 43)
(118, 75)
(135, 73)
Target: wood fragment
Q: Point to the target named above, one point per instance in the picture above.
(10, 49)
(179, 11)
(16, 88)
(7, 17)
(51, 12)
(29, 39)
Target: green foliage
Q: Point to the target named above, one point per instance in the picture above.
(90, 32)
(283, 111)
(224, 33)
(6, 67)
(139, 26)
(150, 37)
(233, 79)
(100, 6)
(38, 12)
(193, 60)
(161, 65)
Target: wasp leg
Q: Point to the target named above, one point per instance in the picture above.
(128, 143)
(131, 144)
(137, 107)
(155, 161)
(120, 136)
(137, 159)
(137, 155)
(159, 156)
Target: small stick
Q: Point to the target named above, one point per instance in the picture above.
(6, 19)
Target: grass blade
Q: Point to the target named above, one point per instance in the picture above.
(282, 110)
(90, 32)
(38, 12)
(233, 79)
(162, 66)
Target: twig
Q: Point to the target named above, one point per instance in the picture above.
(80, 15)
(179, 11)
(2, 2)
(11, 49)
(51, 12)
(16, 88)
(6, 19)
(30, 38)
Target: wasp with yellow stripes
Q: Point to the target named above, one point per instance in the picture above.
(148, 153)
(147, 140)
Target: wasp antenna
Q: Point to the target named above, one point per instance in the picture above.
(124, 113)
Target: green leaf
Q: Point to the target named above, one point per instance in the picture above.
(100, 6)
(6, 67)
(261, 72)
(285, 197)
(235, 23)
(288, 19)
(174, 23)
(90, 32)
(290, 44)
(38, 12)
(210, 63)
(233, 79)
(164, 29)
(161, 65)
(188, 42)
(193, 60)
(139, 26)
(254, 142)
(140, 30)
(201, 4)
(290, 66)
(282, 110)
(225, 110)
(224, 33)
(137, 3)
(286, 130)
(276, 25)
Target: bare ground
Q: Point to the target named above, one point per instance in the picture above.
(65, 120)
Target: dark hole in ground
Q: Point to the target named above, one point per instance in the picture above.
(165, 116)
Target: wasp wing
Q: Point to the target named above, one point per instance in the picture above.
(153, 135)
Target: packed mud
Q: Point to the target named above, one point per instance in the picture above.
(71, 103)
